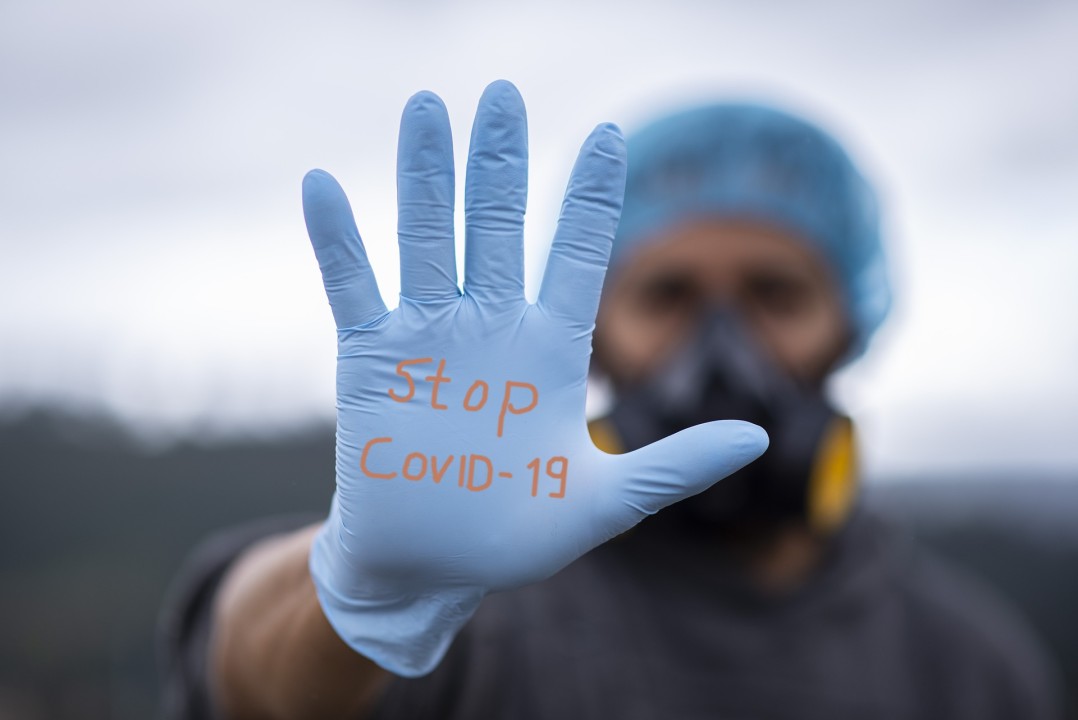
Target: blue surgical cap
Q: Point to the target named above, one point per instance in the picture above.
(756, 162)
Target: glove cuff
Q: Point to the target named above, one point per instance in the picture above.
(407, 636)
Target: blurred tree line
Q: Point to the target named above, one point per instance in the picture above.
(94, 526)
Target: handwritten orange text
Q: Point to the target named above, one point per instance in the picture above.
(517, 398)
(471, 471)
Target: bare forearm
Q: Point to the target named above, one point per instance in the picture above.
(273, 654)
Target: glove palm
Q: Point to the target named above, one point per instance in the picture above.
(464, 464)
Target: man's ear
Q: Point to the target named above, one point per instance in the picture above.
(833, 360)
(603, 362)
(600, 358)
(598, 352)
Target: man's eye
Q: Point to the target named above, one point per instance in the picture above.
(779, 295)
(665, 294)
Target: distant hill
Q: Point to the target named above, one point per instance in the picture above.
(93, 527)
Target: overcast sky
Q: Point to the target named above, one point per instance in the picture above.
(153, 260)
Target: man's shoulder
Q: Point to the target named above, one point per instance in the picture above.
(941, 594)
(963, 623)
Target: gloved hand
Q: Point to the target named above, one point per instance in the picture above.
(464, 463)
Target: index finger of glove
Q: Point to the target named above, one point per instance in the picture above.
(573, 280)
(346, 273)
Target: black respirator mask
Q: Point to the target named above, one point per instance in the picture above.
(808, 471)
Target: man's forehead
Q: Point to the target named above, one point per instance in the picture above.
(721, 245)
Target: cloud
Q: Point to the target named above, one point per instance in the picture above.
(154, 255)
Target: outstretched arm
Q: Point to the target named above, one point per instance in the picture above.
(272, 652)
(464, 463)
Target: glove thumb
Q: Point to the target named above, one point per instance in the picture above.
(678, 467)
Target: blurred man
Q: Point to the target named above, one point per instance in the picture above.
(746, 267)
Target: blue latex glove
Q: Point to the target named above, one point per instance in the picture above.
(464, 463)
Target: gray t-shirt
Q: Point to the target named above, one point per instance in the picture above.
(658, 624)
